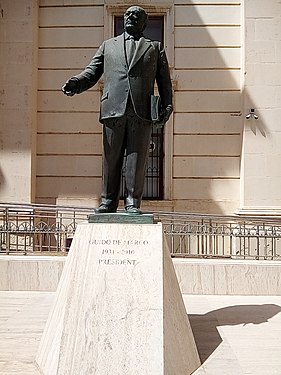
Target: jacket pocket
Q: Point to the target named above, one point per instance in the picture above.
(105, 96)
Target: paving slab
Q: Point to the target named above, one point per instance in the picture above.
(22, 319)
(234, 334)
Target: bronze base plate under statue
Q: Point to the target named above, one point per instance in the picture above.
(122, 218)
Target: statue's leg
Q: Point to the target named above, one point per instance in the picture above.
(113, 154)
(137, 148)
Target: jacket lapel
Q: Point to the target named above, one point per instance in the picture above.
(120, 49)
(142, 47)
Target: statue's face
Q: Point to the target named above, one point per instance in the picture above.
(135, 20)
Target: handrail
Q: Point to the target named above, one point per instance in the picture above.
(36, 228)
(47, 207)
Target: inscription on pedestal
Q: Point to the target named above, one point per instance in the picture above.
(116, 252)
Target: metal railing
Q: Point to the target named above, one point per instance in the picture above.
(209, 236)
(31, 228)
(43, 229)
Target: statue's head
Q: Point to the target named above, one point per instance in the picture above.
(135, 20)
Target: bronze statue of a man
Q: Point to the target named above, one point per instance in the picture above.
(130, 64)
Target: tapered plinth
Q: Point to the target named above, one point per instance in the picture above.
(118, 308)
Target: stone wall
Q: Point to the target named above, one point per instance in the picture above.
(203, 140)
(224, 58)
(18, 78)
(261, 181)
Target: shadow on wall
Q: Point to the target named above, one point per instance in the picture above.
(205, 330)
(255, 125)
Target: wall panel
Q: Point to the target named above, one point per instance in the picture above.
(69, 144)
(207, 145)
(198, 2)
(207, 36)
(65, 58)
(217, 167)
(207, 123)
(70, 37)
(60, 187)
(207, 189)
(207, 15)
(66, 166)
(53, 79)
(74, 3)
(208, 79)
(65, 122)
(71, 16)
(207, 58)
(207, 101)
(56, 101)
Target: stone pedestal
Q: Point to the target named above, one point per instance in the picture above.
(118, 308)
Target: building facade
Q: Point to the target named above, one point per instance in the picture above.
(218, 156)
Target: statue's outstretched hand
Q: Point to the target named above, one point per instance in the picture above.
(71, 87)
(164, 117)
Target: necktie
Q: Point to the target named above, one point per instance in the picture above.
(130, 49)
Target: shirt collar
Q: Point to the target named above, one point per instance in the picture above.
(135, 37)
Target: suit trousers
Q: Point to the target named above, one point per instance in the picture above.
(129, 134)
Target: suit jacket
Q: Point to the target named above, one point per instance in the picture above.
(149, 64)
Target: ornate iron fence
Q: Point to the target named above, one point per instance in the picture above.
(233, 237)
(37, 229)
